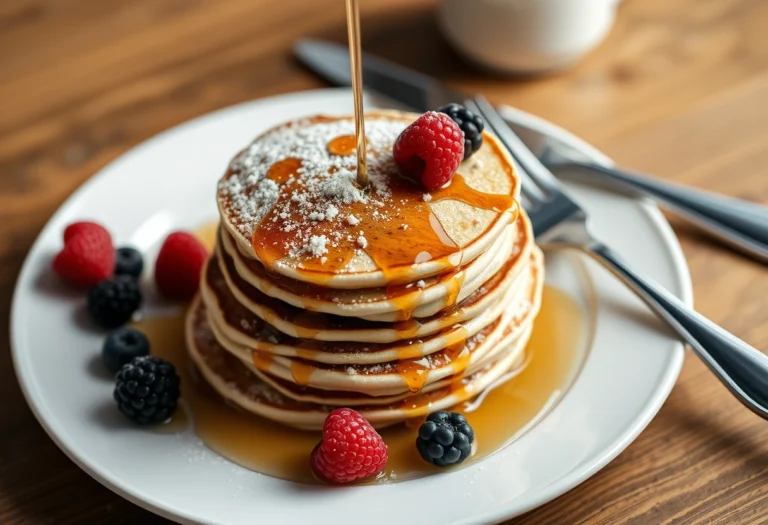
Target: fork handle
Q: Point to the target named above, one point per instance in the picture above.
(742, 368)
(739, 223)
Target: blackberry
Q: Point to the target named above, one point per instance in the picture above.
(128, 261)
(472, 125)
(121, 346)
(445, 439)
(111, 303)
(147, 390)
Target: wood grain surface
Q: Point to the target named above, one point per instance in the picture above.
(679, 89)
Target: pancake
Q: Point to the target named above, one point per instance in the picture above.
(289, 200)
(388, 304)
(237, 313)
(510, 343)
(239, 325)
(393, 300)
(401, 375)
(237, 384)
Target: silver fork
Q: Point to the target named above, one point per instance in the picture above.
(558, 220)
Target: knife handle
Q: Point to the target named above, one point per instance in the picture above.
(739, 223)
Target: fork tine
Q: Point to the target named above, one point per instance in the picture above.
(528, 204)
(524, 157)
(528, 187)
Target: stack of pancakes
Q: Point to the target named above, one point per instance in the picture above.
(389, 299)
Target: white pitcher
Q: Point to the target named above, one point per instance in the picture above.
(526, 36)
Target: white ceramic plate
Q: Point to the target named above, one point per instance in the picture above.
(167, 183)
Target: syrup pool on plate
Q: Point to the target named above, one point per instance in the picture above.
(498, 415)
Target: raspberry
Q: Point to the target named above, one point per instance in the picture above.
(430, 150)
(88, 255)
(178, 266)
(83, 226)
(351, 449)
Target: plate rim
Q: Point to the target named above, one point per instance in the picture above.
(685, 294)
(549, 492)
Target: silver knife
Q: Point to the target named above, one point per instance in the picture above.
(740, 224)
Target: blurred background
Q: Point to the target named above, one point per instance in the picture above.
(675, 88)
(82, 80)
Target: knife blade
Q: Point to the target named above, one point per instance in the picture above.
(736, 221)
(414, 90)
(400, 84)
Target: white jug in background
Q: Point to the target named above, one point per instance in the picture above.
(526, 36)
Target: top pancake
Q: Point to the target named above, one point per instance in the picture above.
(290, 201)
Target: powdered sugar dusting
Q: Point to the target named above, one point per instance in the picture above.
(321, 186)
(317, 245)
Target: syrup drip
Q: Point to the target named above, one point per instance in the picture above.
(457, 352)
(343, 145)
(413, 373)
(407, 329)
(409, 352)
(384, 233)
(307, 352)
(262, 360)
(454, 287)
(281, 172)
(309, 324)
(460, 191)
(404, 302)
(301, 372)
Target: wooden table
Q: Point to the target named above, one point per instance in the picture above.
(680, 89)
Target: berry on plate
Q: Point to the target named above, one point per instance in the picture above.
(112, 303)
(178, 266)
(430, 150)
(445, 438)
(128, 261)
(88, 255)
(121, 346)
(350, 449)
(147, 390)
(77, 228)
(472, 125)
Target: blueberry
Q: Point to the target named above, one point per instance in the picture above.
(121, 346)
(128, 261)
